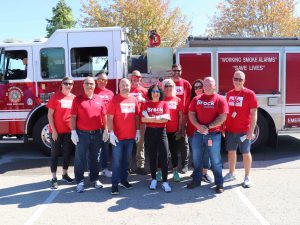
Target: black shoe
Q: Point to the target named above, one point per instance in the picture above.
(114, 190)
(192, 185)
(219, 189)
(130, 171)
(68, 179)
(141, 171)
(126, 185)
(53, 183)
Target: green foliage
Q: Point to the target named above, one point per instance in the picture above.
(255, 18)
(62, 18)
(140, 16)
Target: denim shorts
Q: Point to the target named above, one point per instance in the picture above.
(233, 141)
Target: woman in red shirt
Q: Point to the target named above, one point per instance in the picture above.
(174, 125)
(59, 114)
(155, 114)
(197, 89)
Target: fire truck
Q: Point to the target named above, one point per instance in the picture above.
(30, 73)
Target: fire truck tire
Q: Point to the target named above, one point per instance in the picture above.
(261, 132)
(41, 135)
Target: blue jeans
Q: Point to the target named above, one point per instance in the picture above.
(120, 161)
(199, 146)
(104, 155)
(91, 144)
(206, 160)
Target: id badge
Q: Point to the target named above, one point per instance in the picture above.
(233, 115)
(209, 142)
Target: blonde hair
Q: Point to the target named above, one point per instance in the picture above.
(170, 82)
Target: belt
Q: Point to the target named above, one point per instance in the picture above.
(90, 131)
(212, 133)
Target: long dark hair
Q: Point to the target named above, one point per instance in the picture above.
(193, 90)
(161, 96)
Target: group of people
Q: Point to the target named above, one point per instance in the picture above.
(169, 118)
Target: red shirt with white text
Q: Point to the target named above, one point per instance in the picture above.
(61, 104)
(240, 102)
(175, 106)
(208, 108)
(124, 111)
(155, 109)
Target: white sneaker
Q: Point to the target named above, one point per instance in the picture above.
(166, 187)
(229, 177)
(97, 184)
(106, 173)
(80, 187)
(153, 185)
(247, 182)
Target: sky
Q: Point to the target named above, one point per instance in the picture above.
(26, 19)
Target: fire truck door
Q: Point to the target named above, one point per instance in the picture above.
(17, 90)
(292, 108)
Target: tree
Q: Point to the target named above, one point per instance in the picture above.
(255, 18)
(62, 18)
(140, 16)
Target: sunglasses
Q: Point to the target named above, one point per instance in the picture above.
(67, 84)
(136, 77)
(198, 87)
(176, 71)
(102, 80)
(169, 86)
(155, 91)
(238, 79)
(91, 84)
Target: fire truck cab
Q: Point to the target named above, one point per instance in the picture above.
(30, 73)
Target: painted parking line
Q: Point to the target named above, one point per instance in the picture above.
(251, 207)
(42, 208)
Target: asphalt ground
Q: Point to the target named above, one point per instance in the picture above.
(25, 197)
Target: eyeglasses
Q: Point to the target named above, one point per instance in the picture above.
(176, 71)
(155, 91)
(238, 79)
(91, 84)
(198, 87)
(67, 84)
(169, 86)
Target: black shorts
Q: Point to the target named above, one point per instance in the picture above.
(233, 141)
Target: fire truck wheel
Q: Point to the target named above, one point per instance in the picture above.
(41, 135)
(261, 132)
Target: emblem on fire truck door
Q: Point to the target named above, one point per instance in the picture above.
(14, 95)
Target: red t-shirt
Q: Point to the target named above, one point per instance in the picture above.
(124, 111)
(240, 102)
(61, 104)
(89, 112)
(155, 109)
(208, 108)
(175, 106)
(105, 94)
(183, 91)
(139, 91)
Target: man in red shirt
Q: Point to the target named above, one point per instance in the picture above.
(123, 124)
(183, 91)
(106, 95)
(240, 125)
(87, 120)
(59, 114)
(207, 112)
(141, 95)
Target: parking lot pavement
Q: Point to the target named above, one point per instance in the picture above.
(25, 197)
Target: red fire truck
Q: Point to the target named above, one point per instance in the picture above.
(30, 73)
